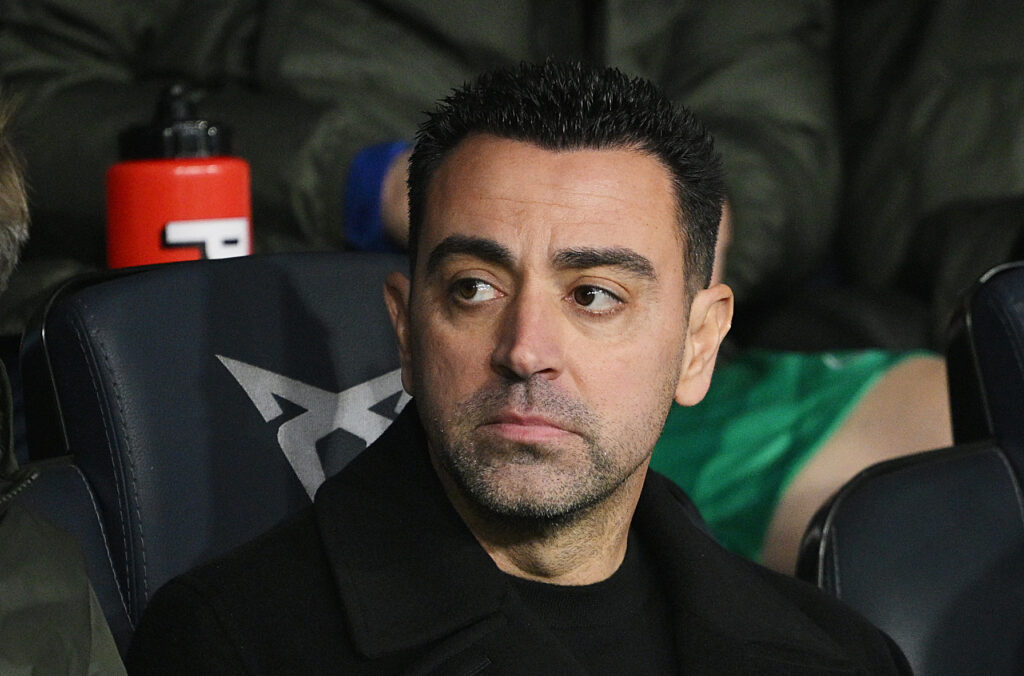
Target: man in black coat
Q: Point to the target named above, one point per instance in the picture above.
(563, 228)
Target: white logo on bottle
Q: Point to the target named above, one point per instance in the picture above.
(215, 237)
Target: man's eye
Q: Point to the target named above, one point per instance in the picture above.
(473, 290)
(595, 299)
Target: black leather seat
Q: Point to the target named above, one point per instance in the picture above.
(930, 547)
(192, 406)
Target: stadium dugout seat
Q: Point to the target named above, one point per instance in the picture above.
(930, 547)
(176, 411)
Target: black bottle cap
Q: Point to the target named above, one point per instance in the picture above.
(176, 131)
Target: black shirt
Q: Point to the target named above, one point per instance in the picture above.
(621, 625)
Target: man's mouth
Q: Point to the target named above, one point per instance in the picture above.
(526, 428)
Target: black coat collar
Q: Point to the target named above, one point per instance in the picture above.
(411, 573)
(408, 568)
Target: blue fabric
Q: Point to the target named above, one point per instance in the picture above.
(364, 230)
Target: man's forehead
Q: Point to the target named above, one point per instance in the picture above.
(587, 197)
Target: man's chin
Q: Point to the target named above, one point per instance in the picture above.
(534, 512)
(523, 490)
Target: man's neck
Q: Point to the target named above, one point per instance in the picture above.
(582, 549)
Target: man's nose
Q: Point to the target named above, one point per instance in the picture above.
(530, 337)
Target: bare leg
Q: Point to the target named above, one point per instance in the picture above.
(905, 412)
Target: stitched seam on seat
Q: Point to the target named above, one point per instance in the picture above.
(103, 534)
(121, 497)
(97, 392)
(130, 466)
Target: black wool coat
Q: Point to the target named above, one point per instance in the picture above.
(380, 575)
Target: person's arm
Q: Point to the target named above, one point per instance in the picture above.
(759, 75)
(52, 621)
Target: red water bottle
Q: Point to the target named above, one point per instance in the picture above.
(177, 194)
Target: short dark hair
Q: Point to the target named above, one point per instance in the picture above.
(13, 204)
(570, 106)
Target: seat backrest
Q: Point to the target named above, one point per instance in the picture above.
(986, 361)
(930, 547)
(202, 402)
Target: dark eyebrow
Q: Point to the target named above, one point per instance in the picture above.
(478, 247)
(618, 257)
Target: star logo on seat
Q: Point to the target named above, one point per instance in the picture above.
(324, 412)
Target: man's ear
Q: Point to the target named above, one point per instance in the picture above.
(710, 319)
(396, 297)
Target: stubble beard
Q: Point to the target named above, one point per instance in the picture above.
(478, 463)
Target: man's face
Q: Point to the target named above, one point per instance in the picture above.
(545, 331)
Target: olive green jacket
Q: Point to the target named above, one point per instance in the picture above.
(306, 84)
(50, 619)
(932, 96)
